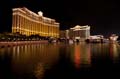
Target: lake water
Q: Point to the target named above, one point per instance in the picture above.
(60, 61)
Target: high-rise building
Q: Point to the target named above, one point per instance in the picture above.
(29, 23)
(80, 32)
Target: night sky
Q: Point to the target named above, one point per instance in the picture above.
(103, 16)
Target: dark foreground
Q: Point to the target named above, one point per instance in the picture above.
(60, 61)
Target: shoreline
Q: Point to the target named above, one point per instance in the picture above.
(15, 43)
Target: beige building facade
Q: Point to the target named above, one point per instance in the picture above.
(80, 32)
(29, 23)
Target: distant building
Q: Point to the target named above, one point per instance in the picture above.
(29, 23)
(67, 34)
(113, 37)
(63, 34)
(96, 37)
(80, 32)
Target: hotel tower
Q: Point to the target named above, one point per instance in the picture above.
(80, 32)
(29, 23)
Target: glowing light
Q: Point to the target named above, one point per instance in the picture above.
(40, 13)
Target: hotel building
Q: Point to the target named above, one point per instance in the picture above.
(29, 23)
(80, 32)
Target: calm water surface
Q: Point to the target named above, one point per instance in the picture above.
(60, 61)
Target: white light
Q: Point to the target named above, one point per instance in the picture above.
(40, 13)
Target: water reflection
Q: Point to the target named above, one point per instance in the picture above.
(31, 60)
(82, 55)
(99, 51)
(38, 60)
(77, 56)
(39, 71)
(114, 52)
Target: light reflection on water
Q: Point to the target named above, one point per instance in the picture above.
(114, 52)
(82, 55)
(33, 61)
(30, 60)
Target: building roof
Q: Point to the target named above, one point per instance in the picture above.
(78, 27)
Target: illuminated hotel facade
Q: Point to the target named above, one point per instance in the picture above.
(29, 23)
(80, 32)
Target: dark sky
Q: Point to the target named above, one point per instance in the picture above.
(103, 16)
